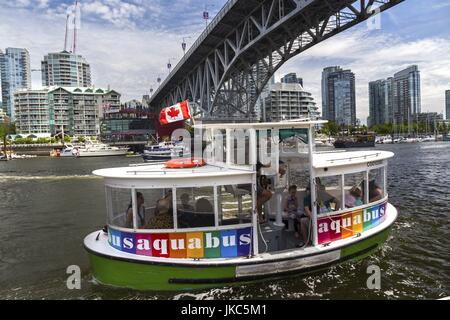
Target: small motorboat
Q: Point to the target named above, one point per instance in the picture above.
(165, 151)
(97, 149)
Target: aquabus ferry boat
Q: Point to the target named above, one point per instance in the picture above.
(260, 203)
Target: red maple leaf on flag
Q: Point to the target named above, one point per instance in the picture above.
(173, 112)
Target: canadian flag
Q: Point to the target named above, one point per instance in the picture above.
(175, 113)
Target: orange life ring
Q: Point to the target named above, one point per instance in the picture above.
(185, 163)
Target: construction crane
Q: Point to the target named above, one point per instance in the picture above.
(71, 19)
(75, 27)
(65, 36)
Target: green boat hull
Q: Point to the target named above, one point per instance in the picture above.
(170, 277)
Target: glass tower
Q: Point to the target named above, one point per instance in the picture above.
(15, 74)
(407, 96)
(338, 96)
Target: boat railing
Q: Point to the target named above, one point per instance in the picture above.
(191, 170)
(353, 158)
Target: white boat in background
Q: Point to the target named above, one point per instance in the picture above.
(97, 149)
(165, 151)
(429, 139)
(320, 143)
(69, 150)
(383, 140)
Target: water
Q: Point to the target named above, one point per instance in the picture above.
(47, 206)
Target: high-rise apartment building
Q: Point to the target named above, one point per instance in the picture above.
(292, 78)
(381, 102)
(338, 96)
(447, 104)
(65, 69)
(15, 74)
(407, 95)
(395, 100)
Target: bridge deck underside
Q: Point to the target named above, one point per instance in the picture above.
(228, 67)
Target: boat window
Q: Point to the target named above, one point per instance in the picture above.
(376, 184)
(353, 189)
(195, 207)
(119, 202)
(329, 193)
(154, 209)
(235, 204)
(294, 142)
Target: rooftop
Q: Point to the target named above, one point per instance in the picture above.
(325, 160)
(159, 171)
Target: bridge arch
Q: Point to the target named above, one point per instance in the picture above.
(225, 71)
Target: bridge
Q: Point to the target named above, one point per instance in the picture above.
(226, 69)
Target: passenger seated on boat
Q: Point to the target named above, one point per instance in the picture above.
(291, 202)
(185, 212)
(354, 198)
(326, 202)
(165, 203)
(140, 212)
(163, 216)
(375, 192)
(204, 213)
(185, 206)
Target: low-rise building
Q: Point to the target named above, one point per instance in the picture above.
(3, 116)
(286, 101)
(76, 111)
(32, 116)
(131, 121)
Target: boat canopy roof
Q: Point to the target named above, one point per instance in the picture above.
(337, 159)
(157, 175)
(291, 124)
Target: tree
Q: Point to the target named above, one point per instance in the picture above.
(5, 130)
(330, 128)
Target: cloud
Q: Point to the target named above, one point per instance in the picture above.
(120, 14)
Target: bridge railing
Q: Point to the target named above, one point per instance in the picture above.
(197, 43)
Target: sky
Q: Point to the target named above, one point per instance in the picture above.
(129, 43)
